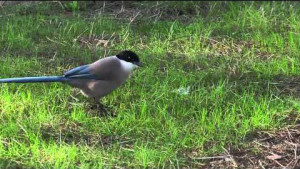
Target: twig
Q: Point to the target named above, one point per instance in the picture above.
(291, 163)
(208, 158)
(295, 163)
(131, 20)
(289, 134)
(2, 4)
(60, 4)
(295, 149)
(260, 164)
(91, 31)
(55, 41)
(22, 128)
(278, 163)
(231, 158)
(261, 144)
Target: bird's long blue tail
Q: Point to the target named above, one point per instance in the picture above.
(35, 79)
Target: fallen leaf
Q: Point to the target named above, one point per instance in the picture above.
(274, 157)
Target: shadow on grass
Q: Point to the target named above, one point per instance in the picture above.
(92, 108)
(74, 133)
(9, 163)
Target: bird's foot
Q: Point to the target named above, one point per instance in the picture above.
(101, 107)
(102, 110)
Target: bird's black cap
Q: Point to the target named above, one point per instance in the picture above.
(129, 56)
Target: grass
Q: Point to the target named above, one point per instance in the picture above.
(230, 59)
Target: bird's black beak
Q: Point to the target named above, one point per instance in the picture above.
(140, 64)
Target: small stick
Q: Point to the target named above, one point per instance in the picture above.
(208, 158)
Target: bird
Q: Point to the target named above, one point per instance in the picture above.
(94, 80)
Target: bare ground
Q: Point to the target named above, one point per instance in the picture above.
(265, 149)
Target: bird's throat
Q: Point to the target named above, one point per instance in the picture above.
(127, 66)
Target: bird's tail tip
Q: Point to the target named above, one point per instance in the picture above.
(34, 79)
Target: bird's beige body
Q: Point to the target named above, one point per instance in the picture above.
(112, 73)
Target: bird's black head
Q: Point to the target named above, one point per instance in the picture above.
(129, 56)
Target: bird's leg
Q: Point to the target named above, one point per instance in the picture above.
(100, 108)
(100, 105)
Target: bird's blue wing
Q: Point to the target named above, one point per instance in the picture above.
(77, 70)
(81, 72)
